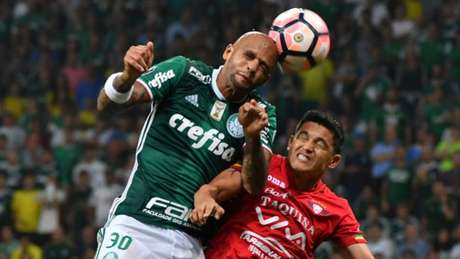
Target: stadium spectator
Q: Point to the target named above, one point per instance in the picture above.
(5, 199)
(402, 218)
(59, 247)
(397, 184)
(378, 243)
(455, 252)
(357, 172)
(102, 198)
(383, 154)
(27, 249)
(15, 135)
(67, 155)
(440, 210)
(51, 197)
(374, 216)
(443, 243)
(412, 241)
(80, 214)
(91, 164)
(8, 242)
(26, 206)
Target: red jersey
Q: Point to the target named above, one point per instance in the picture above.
(283, 222)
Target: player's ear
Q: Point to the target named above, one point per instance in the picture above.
(334, 161)
(291, 139)
(228, 50)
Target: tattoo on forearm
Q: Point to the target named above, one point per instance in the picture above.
(254, 168)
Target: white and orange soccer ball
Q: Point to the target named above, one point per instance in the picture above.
(302, 38)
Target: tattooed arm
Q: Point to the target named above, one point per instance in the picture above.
(105, 105)
(254, 118)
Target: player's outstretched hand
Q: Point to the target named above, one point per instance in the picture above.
(205, 208)
(137, 60)
(253, 118)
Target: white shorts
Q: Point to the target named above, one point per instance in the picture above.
(126, 238)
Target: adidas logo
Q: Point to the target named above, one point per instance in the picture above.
(193, 99)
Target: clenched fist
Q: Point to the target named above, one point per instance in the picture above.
(137, 60)
(253, 118)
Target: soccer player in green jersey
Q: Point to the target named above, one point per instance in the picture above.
(201, 121)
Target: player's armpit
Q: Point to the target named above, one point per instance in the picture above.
(139, 95)
(357, 251)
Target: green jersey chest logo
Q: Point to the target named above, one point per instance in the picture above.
(234, 127)
(211, 139)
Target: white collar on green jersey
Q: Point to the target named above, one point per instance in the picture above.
(215, 88)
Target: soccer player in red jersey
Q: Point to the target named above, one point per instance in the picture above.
(295, 212)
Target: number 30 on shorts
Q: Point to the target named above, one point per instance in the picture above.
(121, 243)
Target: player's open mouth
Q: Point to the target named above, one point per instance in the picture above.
(303, 157)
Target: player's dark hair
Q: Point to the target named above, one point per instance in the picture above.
(329, 122)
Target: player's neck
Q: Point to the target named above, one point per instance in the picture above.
(230, 94)
(303, 182)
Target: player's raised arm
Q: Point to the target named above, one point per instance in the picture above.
(254, 119)
(121, 89)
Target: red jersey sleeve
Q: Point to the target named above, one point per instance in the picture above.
(347, 231)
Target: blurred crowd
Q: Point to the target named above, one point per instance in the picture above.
(392, 77)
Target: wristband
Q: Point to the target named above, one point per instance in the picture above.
(113, 94)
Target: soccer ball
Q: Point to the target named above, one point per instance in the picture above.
(302, 38)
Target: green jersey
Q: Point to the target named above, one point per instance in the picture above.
(190, 135)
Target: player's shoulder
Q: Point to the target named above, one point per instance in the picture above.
(331, 197)
(277, 160)
(201, 66)
(177, 60)
(182, 60)
(190, 69)
(200, 71)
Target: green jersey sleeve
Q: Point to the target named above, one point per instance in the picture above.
(161, 79)
(267, 135)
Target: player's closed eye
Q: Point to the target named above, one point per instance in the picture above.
(321, 144)
(303, 136)
(249, 55)
(265, 69)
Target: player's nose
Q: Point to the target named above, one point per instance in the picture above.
(308, 146)
(252, 65)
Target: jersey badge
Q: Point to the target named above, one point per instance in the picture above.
(318, 209)
(218, 110)
(234, 127)
(193, 99)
